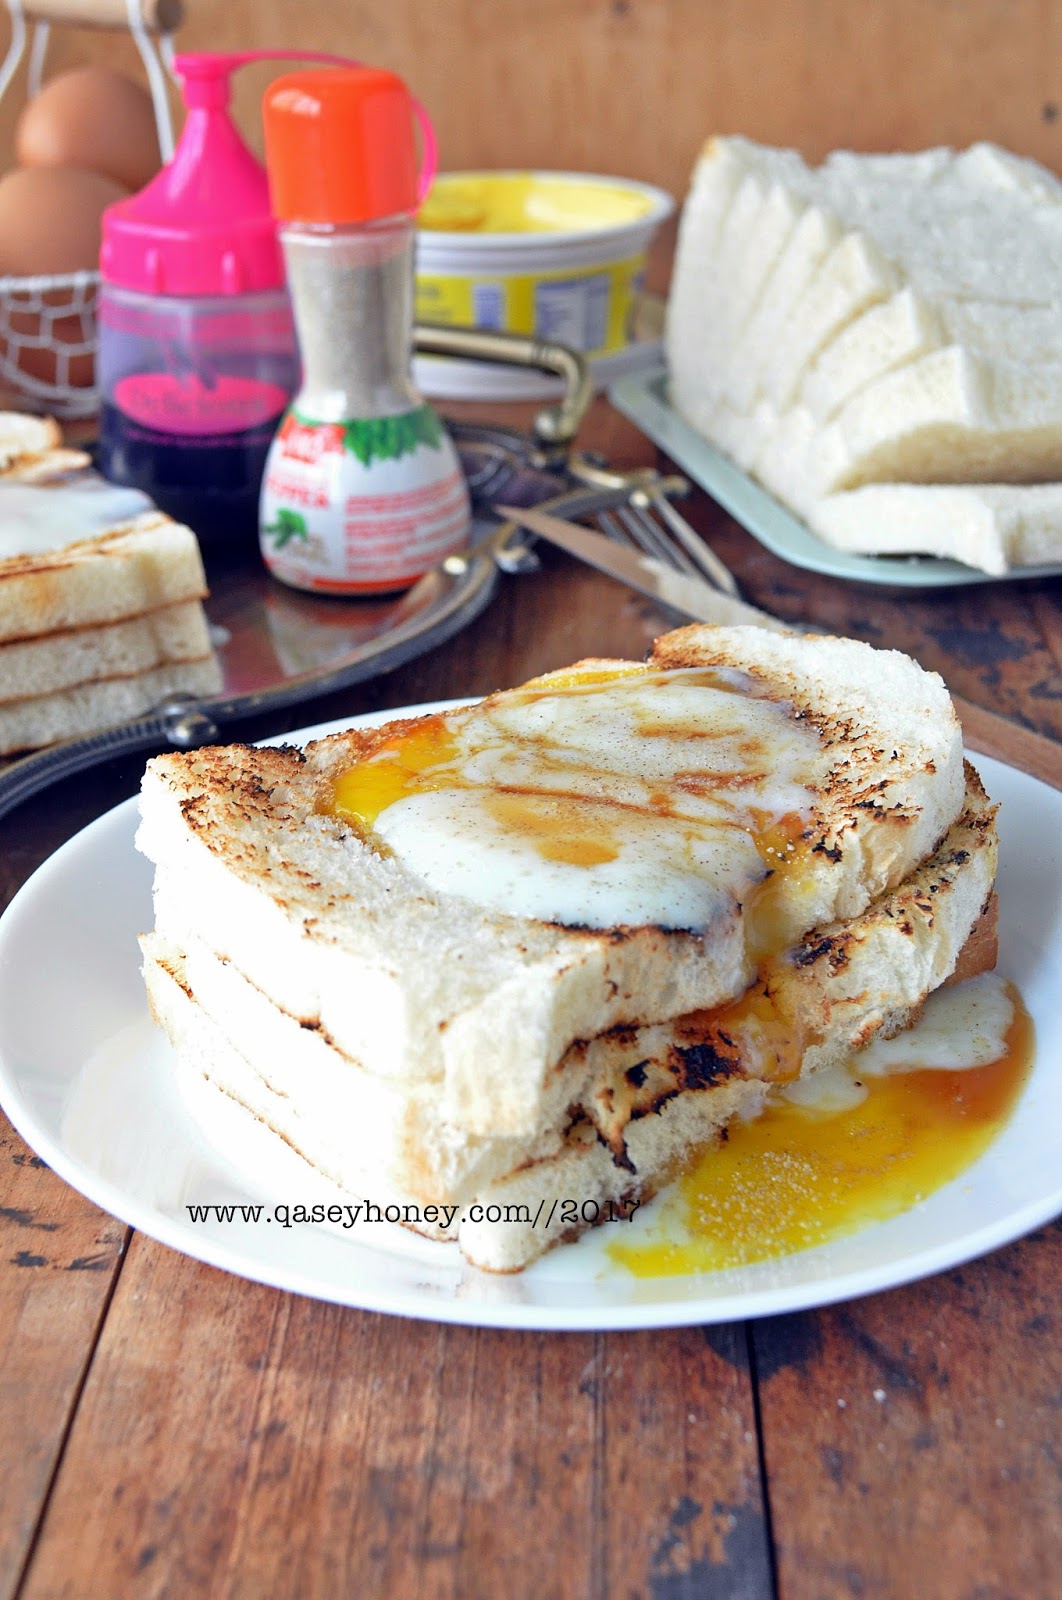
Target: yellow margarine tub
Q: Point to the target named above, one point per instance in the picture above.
(557, 255)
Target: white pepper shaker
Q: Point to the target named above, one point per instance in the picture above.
(362, 491)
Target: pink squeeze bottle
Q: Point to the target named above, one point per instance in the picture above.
(197, 354)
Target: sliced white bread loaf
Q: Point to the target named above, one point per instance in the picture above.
(89, 707)
(619, 1114)
(925, 345)
(43, 666)
(421, 983)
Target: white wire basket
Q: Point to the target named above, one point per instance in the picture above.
(48, 343)
(48, 324)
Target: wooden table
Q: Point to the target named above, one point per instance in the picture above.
(168, 1430)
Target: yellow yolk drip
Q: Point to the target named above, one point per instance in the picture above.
(770, 924)
(565, 679)
(407, 764)
(764, 1032)
(797, 1177)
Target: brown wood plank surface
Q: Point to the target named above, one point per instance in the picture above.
(234, 1441)
(913, 1440)
(59, 1257)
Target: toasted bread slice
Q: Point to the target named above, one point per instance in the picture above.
(137, 566)
(32, 451)
(421, 983)
(63, 660)
(88, 707)
(620, 1114)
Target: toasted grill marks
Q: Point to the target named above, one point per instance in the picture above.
(856, 792)
(702, 1066)
(702, 1055)
(99, 547)
(765, 1033)
(834, 947)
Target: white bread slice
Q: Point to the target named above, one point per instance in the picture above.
(990, 166)
(718, 179)
(908, 326)
(147, 562)
(890, 334)
(995, 527)
(811, 242)
(417, 984)
(623, 1112)
(753, 237)
(854, 276)
(90, 707)
(958, 232)
(31, 667)
(949, 418)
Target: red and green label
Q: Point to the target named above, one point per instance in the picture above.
(368, 439)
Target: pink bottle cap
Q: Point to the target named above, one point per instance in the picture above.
(203, 226)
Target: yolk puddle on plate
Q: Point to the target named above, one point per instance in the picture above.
(796, 1177)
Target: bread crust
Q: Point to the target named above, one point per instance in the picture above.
(426, 986)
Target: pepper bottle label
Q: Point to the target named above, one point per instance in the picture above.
(367, 503)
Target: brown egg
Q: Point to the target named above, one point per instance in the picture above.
(50, 219)
(95, 118)
(50, 223)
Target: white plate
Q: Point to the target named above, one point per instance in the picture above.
(644, 399)
(88, 1082)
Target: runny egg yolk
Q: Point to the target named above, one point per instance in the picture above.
(410, 763)
(802, 1175)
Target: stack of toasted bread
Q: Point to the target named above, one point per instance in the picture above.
(543, 949)
(879, 341)
(101, 596)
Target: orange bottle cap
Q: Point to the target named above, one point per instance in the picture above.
(340, 146)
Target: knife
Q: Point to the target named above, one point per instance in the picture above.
(682, 591)
(985, 730)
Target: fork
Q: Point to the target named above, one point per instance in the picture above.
(633, 508)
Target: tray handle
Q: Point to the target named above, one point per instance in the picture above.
(179, 723)
(556, 425)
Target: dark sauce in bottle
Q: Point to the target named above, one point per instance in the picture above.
(209, 481)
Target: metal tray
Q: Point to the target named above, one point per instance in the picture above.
(278, 647)
(644, 399)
